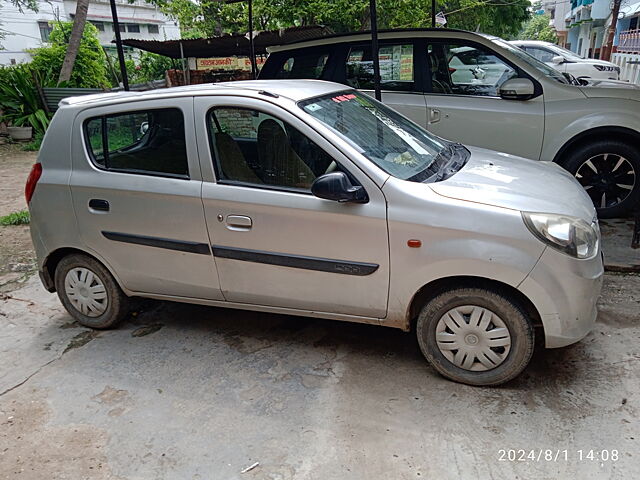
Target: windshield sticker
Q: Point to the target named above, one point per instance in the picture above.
(344, 98)
(313, 107)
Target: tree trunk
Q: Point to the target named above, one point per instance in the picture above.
(74, 41)
(605, 52)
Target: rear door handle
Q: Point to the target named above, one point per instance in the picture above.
(98, 205)
(434, 115)
(239, 222)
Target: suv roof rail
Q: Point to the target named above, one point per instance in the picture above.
(388, 30)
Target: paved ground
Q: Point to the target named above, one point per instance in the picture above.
(186, 392)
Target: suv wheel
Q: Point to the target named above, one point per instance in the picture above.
(609, 170)
(475, 336)
(89, 292)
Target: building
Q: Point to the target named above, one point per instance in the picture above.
(627, 42)
(28, 30)
(586, 24)
(557, 10)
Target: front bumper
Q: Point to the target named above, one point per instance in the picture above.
(565, 291)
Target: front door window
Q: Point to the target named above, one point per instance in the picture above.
(464, 69)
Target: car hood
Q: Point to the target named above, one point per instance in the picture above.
(508, 181)
(593, 61)
(603, 82)
(611, 89)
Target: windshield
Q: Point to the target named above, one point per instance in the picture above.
(565, 52)
(534, 62)
(395, 144)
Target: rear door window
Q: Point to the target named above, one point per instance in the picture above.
(146, 142)
(303, 65)
(396, 67)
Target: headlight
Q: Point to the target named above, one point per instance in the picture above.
(570, 235)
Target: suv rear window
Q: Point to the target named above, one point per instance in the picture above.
(149, 142)
(309, 65)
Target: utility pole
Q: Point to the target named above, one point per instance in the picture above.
(607, 48)
(116, 29)
(433, 13)
(373, 13)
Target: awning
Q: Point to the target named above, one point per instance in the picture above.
(228, 45)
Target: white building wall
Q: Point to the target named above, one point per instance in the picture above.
(23, 32)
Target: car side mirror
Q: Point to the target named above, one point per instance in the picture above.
(337, 186)
(558, 59)
(517, 89)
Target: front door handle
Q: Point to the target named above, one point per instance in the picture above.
(239, 222)
(98, 205)
(434, 115)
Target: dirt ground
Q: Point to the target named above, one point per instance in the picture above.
(17, 261)
(195, 393)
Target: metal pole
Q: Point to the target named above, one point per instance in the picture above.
(374, 49)
(252, 50)
(184, 66)
(433, 13)
(116, 28)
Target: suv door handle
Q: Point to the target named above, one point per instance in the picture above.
(98, 205)
(434, 115)
(239, 222)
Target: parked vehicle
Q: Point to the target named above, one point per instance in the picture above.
(565, 60)
(483, 91)
(303, 198)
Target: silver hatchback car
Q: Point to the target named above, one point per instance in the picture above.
(306, 198)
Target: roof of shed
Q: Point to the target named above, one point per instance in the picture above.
(228, 45)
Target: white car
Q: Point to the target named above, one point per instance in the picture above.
(567, 61)
(486, 92)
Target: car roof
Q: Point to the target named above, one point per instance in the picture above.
(531, 42)
(385, 33)
(294, 90)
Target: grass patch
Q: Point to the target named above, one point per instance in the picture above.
(15, 218)
(34, 144)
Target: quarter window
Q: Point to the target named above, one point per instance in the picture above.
(460, 69)
(147, 142)
(396, 67)
(309, 65)
(256, 148)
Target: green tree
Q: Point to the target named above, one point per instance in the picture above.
(537, 28)
(90, 66)
(208, 17)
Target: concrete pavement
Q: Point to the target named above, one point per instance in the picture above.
(187, 392)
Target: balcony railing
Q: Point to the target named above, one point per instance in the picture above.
(629, 42)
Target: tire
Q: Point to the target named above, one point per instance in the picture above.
(89, 292)
(503, 320)
(616, 163)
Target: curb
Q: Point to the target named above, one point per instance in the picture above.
(621, 268)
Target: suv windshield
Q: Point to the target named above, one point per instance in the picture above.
(395, 144)
(534, 62)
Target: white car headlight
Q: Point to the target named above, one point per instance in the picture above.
(569, 235)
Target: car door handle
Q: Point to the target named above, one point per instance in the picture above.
(434, 115)
(239, 222)
(98, 205)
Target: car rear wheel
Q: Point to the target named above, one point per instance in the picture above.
(89, 292)
(609, 170)
(475, 336)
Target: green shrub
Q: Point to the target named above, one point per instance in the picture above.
(19, 100)
(16, 218)
(89, 69)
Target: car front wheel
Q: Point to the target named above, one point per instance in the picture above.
(475, 336)
(609, 171)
